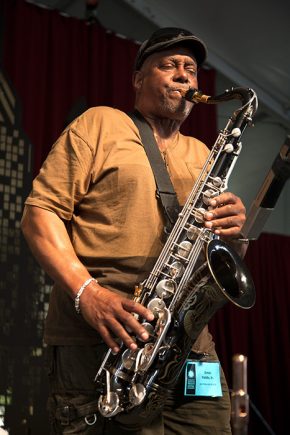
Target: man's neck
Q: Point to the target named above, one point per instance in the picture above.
(164, 129)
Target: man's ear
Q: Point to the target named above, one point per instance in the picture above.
(137, 80)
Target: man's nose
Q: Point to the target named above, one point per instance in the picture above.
(181, 75)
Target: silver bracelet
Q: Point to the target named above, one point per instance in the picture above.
(241, 240)
(79, 293)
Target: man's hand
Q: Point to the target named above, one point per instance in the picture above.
(227, 215)
(111, 315)
(107, 312)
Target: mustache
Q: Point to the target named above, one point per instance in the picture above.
(181, 89)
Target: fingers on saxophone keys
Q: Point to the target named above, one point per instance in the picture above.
(219, 225)
(108, 339)
(228, 233)
(119, 331)
(208, 215)
(133, 326)
(221, 212)
(134, 307)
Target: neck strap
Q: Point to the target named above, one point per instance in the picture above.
(164, 189)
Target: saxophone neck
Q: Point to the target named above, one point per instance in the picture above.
(195, 96)
(246, 95)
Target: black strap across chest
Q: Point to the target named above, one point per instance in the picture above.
(164, 189)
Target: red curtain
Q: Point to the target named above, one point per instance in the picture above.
(55, 62)
(58, 67)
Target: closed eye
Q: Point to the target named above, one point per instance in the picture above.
(191, 71)
(167, 65)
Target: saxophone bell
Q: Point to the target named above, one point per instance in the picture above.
(230, 274)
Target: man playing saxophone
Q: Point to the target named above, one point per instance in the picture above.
(96, 227)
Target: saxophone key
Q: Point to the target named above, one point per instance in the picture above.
(192, 233)
(228, 148)
(217, 181)
(208, 195)
(137, 394)
(156, 305)
(146, 356)
(149, 329)
(109, 404)
(129, 359)
(165, 288)
(176, 269)
(198, 214)
(236, 132)
(184, 248)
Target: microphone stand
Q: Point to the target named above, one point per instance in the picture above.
(239, 396)
(269, 193)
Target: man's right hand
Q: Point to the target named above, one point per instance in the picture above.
(107, 312)
(112, 316)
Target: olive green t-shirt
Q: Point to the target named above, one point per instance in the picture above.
(98, 180)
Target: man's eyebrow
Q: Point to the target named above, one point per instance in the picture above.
(187, 61)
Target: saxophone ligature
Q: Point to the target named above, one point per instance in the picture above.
(195, 274)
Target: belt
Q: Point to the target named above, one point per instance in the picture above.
(68, 413)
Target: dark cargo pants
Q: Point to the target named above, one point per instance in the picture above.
(72, 403)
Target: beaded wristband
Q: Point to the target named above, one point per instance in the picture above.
(79, 293)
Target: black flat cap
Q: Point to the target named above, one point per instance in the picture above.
(168, 37)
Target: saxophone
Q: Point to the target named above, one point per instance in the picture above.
(195, 275)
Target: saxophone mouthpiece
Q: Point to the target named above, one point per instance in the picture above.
(195, 96)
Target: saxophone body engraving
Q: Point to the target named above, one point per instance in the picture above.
(195, 275)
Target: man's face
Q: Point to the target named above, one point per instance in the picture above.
(159, 82)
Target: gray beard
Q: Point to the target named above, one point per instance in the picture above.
(176, 107)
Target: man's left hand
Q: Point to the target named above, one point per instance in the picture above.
(227, 216)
